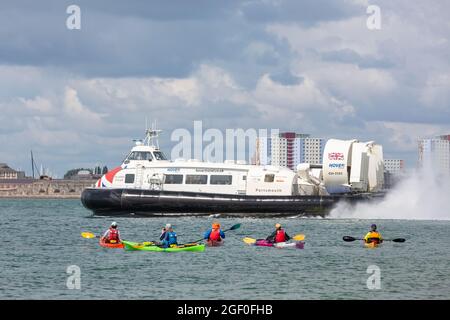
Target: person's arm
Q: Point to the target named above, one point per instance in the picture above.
(207, 234)
(163, 235)
(118, 235)
(222, 234)
(366, 237)
(287, 236)
(106, 234)
(272, 236)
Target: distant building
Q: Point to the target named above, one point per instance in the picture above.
(394, 166)
(435, 153)
(289, 149)
(7, 173)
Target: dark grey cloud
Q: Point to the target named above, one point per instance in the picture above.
(153, 38)
(79, 97)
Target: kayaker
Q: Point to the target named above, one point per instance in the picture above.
(215, 233)
(170, 238)
(112, 235)
(279, 235)
(373, 235)
(164, 231)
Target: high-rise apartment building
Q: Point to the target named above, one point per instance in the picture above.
(434, 153)
(288, 149)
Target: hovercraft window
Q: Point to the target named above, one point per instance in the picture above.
(196, 179)
(173, 179)
(140, 155)
(269, 178)
(159, 155)
(129, 178)
(221, 179)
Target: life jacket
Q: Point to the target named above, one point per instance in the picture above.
(215, 235)
(113, 235)
(172, 238)
(280, 236)
(373, 236)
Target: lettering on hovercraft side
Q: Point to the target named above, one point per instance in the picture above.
(208, 170)
(335, 173)
(268, 190)
(337, 165)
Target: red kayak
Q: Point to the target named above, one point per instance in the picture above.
(110, 245)
(213, 243)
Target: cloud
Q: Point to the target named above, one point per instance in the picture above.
(78, 97)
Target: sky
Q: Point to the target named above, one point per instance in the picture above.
(77, 98)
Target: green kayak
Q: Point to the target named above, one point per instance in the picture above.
(128, 245)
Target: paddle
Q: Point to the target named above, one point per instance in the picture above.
(236, 226)
(297, 237)
(349, 239)
(89, 235)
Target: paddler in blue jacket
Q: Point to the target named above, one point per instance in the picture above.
(170, 237)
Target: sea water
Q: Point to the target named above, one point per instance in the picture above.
(41, 247)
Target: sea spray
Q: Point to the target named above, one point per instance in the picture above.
(424, 195)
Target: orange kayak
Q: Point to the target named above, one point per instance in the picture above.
(110, 245)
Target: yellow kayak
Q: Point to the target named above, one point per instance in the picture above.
(372, 245)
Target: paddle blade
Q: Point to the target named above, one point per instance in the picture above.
(249, 240)
(399, 240)
(299, 237)
(348, 238)
(88, 235)
(236, 226)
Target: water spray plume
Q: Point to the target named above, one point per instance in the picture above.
(424, 195)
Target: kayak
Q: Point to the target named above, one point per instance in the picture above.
(372, 245)
(128, 245)
(212, 243)
(281, 245)
(110, 245)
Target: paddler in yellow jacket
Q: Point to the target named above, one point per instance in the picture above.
(373, 235)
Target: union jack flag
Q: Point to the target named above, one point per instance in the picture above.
(335, 156)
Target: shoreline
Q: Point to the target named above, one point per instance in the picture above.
(50, 197)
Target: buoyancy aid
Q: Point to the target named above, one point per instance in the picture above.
(113, 235)
(373, 236)
(280, 236)
(215, 235)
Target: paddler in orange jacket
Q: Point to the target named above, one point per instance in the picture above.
(279, 235)
(373, 235)
(215, 233)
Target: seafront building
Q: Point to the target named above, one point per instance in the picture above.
(394, 171)
(289, 149)
(7, 173)
(395, 167)
(434, 153)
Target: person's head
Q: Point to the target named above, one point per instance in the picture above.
(216, 225)
(168, 226)
(114, 225)
(278, 226)
(373, 227)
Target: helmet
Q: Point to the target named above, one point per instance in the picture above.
(216, 225)
(168, 226)
(278, 226)
(114, 224)
(373, 227)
